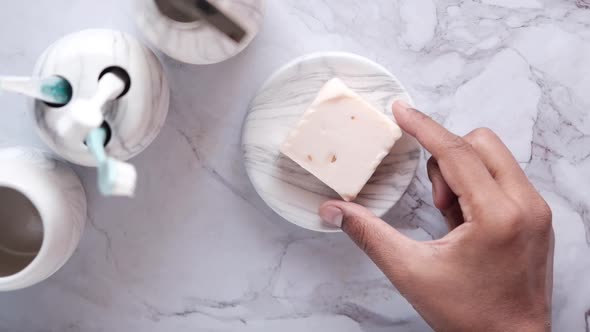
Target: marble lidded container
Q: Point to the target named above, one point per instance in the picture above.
(133, 120)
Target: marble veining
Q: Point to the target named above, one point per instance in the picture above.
(199, 250)
(289, 189)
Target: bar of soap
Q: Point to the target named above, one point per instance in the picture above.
(341, 139)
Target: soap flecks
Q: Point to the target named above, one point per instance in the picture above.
(336, 150)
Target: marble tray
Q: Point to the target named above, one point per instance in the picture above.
(287, 188)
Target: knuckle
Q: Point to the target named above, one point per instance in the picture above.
(481, 137)
(457, 144)
(517, 220)
(546, 212)
(544, 216)
(544, 209)
(484, 134)
(513, 214)
(510, 225)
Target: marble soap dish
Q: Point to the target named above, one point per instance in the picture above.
(288, 189)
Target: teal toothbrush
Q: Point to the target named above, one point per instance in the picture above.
(53, 89)
(115, 178)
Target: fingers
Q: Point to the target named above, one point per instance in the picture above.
(454, 215)
(442, 194)
(505, 169)
(461, 167)
(500, 162)
(444, 198)
(388, 248)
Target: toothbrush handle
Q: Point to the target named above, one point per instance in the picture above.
(16, 83)
(110, 87)
(38, 88)
(84, 115)
(95, 143)
(115, 178)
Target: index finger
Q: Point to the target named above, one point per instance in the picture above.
(464, 171)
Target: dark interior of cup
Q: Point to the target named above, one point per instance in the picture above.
(170, 9)
(21, 231)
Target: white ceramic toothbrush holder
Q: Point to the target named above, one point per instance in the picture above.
(197, 42)
(42, 216)
(133, 120)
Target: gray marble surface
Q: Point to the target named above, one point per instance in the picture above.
(198, 250)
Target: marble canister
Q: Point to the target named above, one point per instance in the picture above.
(42, 216)
(197, 42)
(133, 120)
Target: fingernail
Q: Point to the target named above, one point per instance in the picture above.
(332, 215)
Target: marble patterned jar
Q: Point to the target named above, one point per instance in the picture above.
(42, 216)
(133, 120)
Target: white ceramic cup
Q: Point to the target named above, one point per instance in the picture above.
(42, 216)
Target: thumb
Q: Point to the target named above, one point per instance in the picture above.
(392, 251)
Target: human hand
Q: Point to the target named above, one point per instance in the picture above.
(493, 271)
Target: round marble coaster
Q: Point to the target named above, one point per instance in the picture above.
(196, 42)
(287, 188)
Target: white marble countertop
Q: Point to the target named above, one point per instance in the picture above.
(199, 250)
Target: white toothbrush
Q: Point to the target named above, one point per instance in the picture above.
(53, 89)
(84, 115)
(115, 178)
(82, 123)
